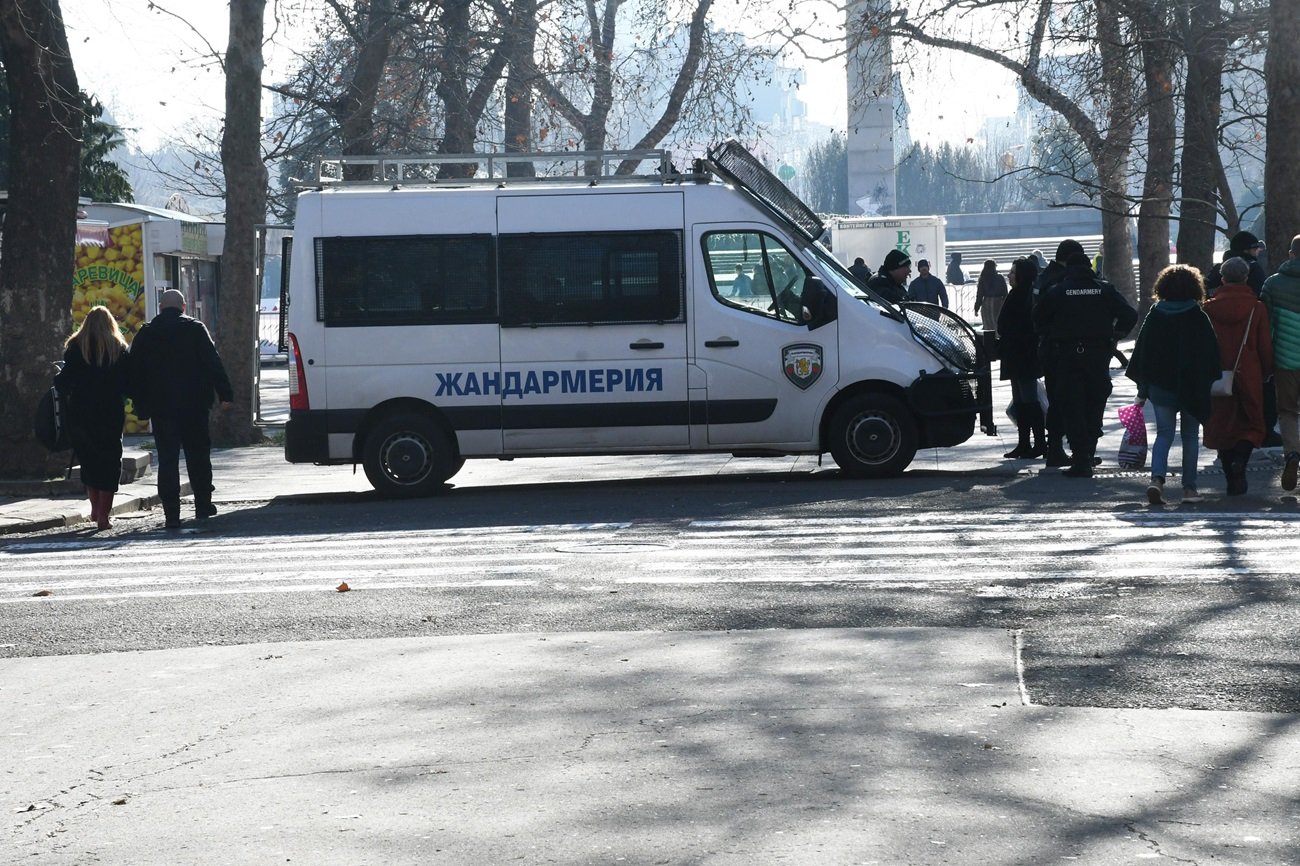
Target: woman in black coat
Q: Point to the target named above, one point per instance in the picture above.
(94, 378)
(1018, 349)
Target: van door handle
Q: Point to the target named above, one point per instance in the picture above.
(645, 344)
(722, 343)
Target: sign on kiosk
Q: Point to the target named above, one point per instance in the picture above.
(110, 273)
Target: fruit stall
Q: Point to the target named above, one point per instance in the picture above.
(128, 255)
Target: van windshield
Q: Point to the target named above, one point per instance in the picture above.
(836, 275)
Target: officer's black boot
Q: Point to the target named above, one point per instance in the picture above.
(1081, 465)
(1056, 455)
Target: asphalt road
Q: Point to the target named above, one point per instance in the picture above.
(1114, 607)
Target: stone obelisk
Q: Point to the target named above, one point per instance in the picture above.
(871, 116)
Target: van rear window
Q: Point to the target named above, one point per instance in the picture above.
(415, 280)
(591, 278)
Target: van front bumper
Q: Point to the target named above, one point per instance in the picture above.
(948, 404)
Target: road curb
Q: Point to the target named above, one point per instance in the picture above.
(71, 515)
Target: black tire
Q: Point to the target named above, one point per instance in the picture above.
(873, 436)
(409, 455)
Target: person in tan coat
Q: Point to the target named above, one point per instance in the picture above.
(1236, 426)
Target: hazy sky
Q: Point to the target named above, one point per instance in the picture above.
(155, 73)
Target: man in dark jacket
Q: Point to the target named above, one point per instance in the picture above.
(927, 288)
(1078, 320)
(860, 270)
(956, 274)
(890, 282)
(174, 372)
(1246, 246)
(1048, 277)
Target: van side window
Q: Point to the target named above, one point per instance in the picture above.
(591, 278)
(755, 272)
(417, 280)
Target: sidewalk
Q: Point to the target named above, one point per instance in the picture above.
(830, 746)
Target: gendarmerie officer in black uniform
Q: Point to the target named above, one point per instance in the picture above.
(1078, 320)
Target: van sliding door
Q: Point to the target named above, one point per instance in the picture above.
(593, 313)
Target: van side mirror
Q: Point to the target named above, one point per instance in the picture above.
(818, 302)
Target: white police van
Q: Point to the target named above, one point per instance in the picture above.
(434, 320)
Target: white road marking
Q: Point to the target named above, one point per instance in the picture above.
(902, 548)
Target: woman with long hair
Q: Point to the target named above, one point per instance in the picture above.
(990, 293)
(1174, 362)
(1018, 350)
(94, 378)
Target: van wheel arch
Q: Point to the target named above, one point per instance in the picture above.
(871, 432)
(407, 449)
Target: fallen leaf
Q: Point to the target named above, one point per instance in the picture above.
(343, 587)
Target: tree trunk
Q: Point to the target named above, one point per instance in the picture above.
(246, 178)
(1159, 62)
(453, 85)
(1281, 174)
(1198, 207)
(1112, 158)
(518, 115)
(355, 109)
(596, 123)
(40, 224)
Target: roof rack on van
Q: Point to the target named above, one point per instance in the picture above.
(494, 168)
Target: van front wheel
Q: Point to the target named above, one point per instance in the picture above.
(873, 436)
(409, 455)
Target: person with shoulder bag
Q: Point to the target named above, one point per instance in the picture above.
(1237, 423)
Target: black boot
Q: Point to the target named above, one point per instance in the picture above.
(1234, 468)
(1056, 455)
(1022, 449)
(1036, 428)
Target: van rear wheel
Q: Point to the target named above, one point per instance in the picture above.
(873, 436)
(409, 455)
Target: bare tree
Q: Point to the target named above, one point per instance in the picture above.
(1093, 89)
(241, 158)
(665, 78)
(40, 221)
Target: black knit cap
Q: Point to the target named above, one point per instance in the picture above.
(1066, 247)
(1078, 261)
(895, 259)
(1243, 241)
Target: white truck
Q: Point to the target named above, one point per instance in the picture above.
(433, 320)
(920, 237)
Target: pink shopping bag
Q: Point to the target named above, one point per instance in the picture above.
(1133, 447)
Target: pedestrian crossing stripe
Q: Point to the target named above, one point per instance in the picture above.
(900, 548)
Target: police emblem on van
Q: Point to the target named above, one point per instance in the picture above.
(802, 363)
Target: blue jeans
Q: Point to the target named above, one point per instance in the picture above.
(1166, 417)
